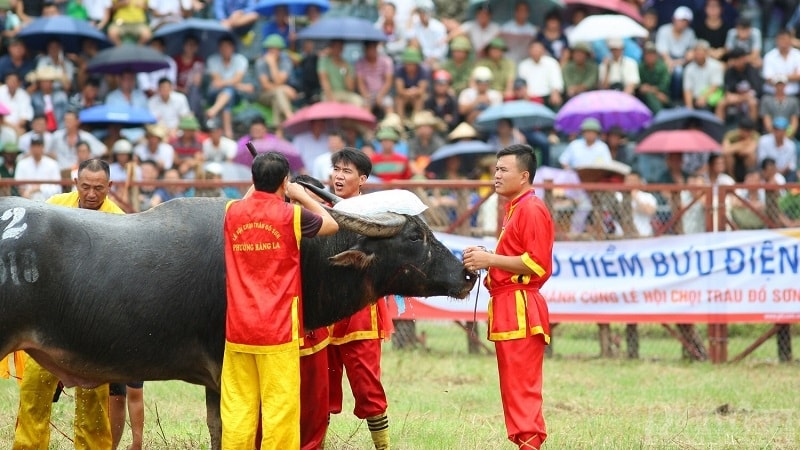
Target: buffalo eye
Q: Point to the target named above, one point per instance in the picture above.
(415, 237)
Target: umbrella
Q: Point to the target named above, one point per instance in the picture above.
(105, 115)
(503, 10)
(469, 151)
(524, 114)
(230, 171)
(207, 32)
(617, 6)
(683, 118)
(678, 141)
(296, 7)
(70, 32)
(606, 26)
(333, 112)
(271, 144)
(4, 111)
(127, 58)
(611, 108)
(342, 28)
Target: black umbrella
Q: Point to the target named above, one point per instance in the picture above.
(683, 118)
(127, 58)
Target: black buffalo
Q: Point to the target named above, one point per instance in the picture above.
(98, 298)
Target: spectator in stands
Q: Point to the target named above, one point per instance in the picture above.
(18, 102)
(54, 57)
(17, 60)
(782, 60)
(504, 70)
(236, 14)
(10, 23)
(337, 77)
(10, 152)
(38, 166)
(89, 50)
(543, 75)
(374, 76)
(443, 104)
(170, 192)
(155, 149)
(778, 146)
(643, 205)
(218, 148)
(127, 19)
(387, 164)
(164, 12)
(588, 150)
(655, 80)
(480, 31)
(126, 95)
(713, 29)
(122, 153)
(227, 70)
(716, 175)
(312, 143)
(168, 106)
(474, 100)
(580, 73)
(703, 80)
(47, 100)
(429, 33)
(398, 124)
(149, 81)
(748, 200)
(88, 95)
(693, 219)
(770, 174)
(553, 39)
(618, 71)
(506, 135)
(780, 105)
(323, 166)
(7, 133)
(519, 91)
(742, 88)
(520, 26)
(744, 36)
(38, 129)
(459, 65)
(617, 145)
(739, 149)
(64, 143)
(257, 131)
(189, 74)
(29, 10)
(150, 173)
(412, 81)
(188, 143)
(427, 138)
(394, 30)
(279, 24)
(674, 42)
(650, 23)
(273, 71)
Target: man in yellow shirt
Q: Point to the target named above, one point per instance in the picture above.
(128, 18)
(92, 427)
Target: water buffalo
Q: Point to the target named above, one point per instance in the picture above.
(98, 298)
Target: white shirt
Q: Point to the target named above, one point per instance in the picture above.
(164, 154)
(148, 82)
(625, 71)
(96, 9)
(169, 113)
(310, 148)
(24, 141)
(480, 37)
(19, 104)
(543, 77)
(431, 38)
(119, 175)
(697, 79)
(785, 156)
(775, 64)
(171, 10)
(642, 200)
(45, 169)
(517, 38)
(225, 151)
(322, 168)
(66, 154)
(578, 154)
(469, 95)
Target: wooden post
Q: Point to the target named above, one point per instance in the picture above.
(784, 341)
(604, 335)
(632, 340)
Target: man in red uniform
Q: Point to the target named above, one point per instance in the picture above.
(518, 316)
(261, 364)
(356, 340)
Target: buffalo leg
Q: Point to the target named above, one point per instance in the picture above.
(213, 418)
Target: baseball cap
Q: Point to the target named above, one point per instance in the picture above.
(482, 73)
(780, 123)
(122, 146)
(442, 75)
(683, 13)
(520, 83)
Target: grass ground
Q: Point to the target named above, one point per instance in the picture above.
(444, 398)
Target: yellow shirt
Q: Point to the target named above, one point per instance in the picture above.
(70, 200)
(134, 12)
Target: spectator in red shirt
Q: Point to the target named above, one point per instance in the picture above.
(389, 165)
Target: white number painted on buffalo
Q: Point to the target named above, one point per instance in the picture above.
(11, 263)
(15, 227)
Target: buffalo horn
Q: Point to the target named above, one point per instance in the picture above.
(381, 225)
(324, 194)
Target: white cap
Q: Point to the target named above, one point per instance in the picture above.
(482, 73)
(214, 168)
(122, 146)
(615, 43)
(683, 13)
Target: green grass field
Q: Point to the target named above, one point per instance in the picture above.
(443, 398)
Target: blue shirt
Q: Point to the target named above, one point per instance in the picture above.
(7, 66)
(224, 8)
(271, 27)
(631, 50)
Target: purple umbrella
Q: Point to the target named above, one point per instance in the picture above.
(270, 143)
(611, 108)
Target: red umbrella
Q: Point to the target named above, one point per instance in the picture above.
(617, 6)
(678, 141)
(331, 112)
(4, 111)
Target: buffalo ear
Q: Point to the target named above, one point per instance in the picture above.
(352, 258)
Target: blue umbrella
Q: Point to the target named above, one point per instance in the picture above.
(524, 114)
(70, 32)
(342, 28)
(683, 118)
(207, 32)
(296, 7)
(127, 58)
(469, 152)
(127, 116)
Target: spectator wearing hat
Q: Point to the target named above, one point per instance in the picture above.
(38, 166)
(127, 95)
(739, 149)
(398, 124)
(580, 73)
(504, 70)
(336, 76)
(123, 166)
(779, 104)
(474, 100)
(428, 34)
(393, 29)
(412, 81)
(674, 42)
(782, 149)
(273, 71)
(463, 132)
(443, 103)
(9, 165)
(17, 60)
(459, 65)
(64, 142)
(387, 164)
(227, 70)
(742, 87)
(782, 60)
(480, 31)
(521, 30)
(168, 106)
(654, 78)
(703, 79)
(155, 149)
(218, 148)
(127, 19)
(553, 38)
(618, 71)
(747, 38)
(47, 99)
(18, 101)
(187, 144)
(374, 78)
(279, 24)
(587, 150)
(713, 29)
(543, 75)
(54, 57)
(427, 135)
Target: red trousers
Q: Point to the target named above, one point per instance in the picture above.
(313, 398)
(362, 361)
(519, 364)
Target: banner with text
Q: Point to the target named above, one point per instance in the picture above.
(741, 276)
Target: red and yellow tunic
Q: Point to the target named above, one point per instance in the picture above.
(368, 323)
(262, 258)
(516, 308)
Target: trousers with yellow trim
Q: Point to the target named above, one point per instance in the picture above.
(92, 426)
(265, 383)
(519, 327)
(362, 361)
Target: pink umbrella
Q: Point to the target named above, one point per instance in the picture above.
(331, 112)
(678, 141)
(617, 6)
(4, 111)
(270, 143)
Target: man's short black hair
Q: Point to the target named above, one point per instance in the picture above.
(355, 157)
(713, 157)
(767, 162)
(226, 38)
(269, 171)
(163, 80)
(306, 178)
(94, 165)
(526, 158)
